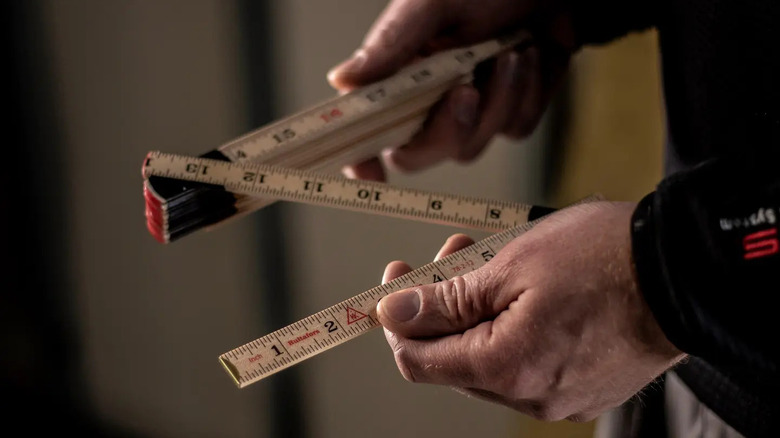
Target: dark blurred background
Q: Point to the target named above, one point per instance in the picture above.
(105, 332)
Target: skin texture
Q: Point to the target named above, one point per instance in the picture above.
(554, 325)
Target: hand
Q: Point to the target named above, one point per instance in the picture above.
(515, 91)
(553, 326)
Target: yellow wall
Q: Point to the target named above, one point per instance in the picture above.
(614, 144)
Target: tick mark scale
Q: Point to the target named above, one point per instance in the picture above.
(260, 180)
(343, 130)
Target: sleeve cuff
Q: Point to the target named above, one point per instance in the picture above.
(650, 275)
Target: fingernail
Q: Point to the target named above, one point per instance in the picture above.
(466, 103)
(389, 159)
(401, 306)
(353, 64)
(349, 172)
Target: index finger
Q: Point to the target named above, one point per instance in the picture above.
(397, 37)
(454, 360)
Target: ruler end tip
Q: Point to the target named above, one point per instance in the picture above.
(231, 370)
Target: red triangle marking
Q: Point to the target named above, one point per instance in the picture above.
(354, 315)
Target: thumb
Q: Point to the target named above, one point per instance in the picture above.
(442, 308)
(394, 40)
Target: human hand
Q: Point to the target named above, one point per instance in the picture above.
(510, 99)
(553, 326)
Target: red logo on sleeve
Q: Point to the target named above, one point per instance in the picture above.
(761, 244)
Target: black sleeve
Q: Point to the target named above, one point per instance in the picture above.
(706, 248)
(601, 21)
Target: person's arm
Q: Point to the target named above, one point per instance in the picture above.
(706, 246)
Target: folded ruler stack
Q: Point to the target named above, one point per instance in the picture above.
(343, 130)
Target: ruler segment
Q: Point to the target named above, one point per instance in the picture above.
(350, 318)
(264, 181)
(327, 117)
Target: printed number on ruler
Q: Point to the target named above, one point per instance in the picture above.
(440, 70)
(349, 194)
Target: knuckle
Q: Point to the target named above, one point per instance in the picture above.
(530, 381)
(387, 35)
(545, 411)
(538, 381)
(459, 305)
(487, 282)
(405, 362)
